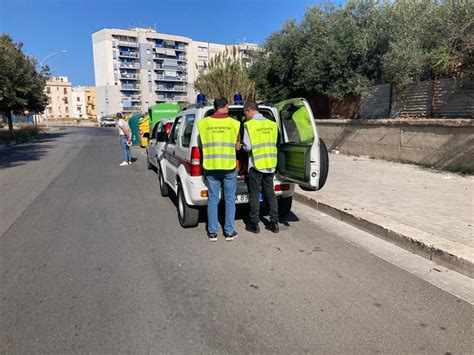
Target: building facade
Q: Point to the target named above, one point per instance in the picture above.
(58, 91)
(137, 68)
(78, 102)
(84, 102)
(90, 101)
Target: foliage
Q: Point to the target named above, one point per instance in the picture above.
(338, 51)
(20, 135)
(21, 85)
(225, 76)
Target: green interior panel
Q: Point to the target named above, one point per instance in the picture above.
(293, 160)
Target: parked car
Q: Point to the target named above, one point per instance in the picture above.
(154, 149)
(106, 121)
(302, 157)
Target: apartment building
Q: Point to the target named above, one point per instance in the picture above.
(90, 101)
(83, 102)
(58, 91)
(137, 68)
(78, 102)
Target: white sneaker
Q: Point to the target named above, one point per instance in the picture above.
(123, 163)
(129, 163)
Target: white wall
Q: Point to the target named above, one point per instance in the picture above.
(78, 106)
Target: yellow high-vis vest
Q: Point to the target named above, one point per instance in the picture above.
(263, 138)
(218, 138)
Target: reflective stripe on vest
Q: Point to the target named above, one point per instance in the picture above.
(218, 138)
(263, 138)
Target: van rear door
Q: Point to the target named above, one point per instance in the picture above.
(299, 157)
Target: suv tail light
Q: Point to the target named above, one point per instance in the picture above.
(195, 161)
(168, 128)
(282, 187)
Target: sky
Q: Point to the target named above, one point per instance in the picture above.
(49, 26)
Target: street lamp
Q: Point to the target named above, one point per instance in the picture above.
(41, 66)
(51, 55)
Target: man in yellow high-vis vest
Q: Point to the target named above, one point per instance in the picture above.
(260, 140)
(219, 135)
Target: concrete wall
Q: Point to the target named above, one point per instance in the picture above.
(431, 98)
(436, 142)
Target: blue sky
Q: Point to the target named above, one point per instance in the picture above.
(52, 25)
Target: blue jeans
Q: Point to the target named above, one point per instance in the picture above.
(127, 156)
(214, 181)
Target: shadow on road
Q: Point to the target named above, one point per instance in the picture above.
(241, 213)
(25, 152)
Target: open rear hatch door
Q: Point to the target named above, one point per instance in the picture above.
(299, 154)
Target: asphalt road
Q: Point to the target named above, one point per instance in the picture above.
(92, 260)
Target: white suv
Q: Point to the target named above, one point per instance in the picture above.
(304, 162)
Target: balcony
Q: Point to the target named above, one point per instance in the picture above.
(131, 98)
(171, 89)
(134, 87)
(171, 78)
(128, 54)
(179, 68)
(175, 98)
(128, 65)
(129, 76)
(181, 58)
(132, 108)
(127, 44)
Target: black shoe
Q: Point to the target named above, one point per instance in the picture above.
(253, 227)
(231, 236)
(273, 227)
(212, 237)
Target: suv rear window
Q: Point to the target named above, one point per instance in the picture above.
(188, 130)
(238, 114)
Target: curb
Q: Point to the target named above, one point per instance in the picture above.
(450, 254)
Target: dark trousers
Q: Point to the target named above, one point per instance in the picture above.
(257, 182)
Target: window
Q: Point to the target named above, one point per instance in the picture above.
(202, 49)
(65, 91)
(175, 131)
(148, 51)
(48, 90)
(67, 109)
(296, 123)
(188, 130)
(50, 110)
(78, 99)
(155, 130)
(66, 101)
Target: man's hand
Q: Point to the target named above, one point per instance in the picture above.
(238, 146)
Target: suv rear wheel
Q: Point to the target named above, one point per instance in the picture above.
(164, 190)
(188, 216)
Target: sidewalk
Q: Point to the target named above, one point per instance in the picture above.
(428, 212)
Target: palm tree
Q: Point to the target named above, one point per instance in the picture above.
(224, 76)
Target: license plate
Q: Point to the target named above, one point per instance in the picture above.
(242, 198)
(245, 197)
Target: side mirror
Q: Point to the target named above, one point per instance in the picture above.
(146, 135)
(161, 137)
